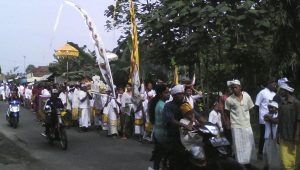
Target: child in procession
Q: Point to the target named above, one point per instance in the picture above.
(271, 148)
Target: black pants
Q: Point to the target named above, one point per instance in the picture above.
(228, 135)
(159, 154)
(261, 138)
(177, 156)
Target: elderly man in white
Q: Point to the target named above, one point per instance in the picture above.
(239, 105)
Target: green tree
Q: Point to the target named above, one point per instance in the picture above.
(29, 68)
(220, 40)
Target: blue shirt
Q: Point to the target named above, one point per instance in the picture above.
(160, 132)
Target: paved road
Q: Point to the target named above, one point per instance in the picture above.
(91, 150)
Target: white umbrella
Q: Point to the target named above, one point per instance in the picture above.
(111, 56)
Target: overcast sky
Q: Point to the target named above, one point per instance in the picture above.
(27, 30)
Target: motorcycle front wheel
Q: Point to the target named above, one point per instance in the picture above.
(225, 164)
(15, 122)
(63, 140)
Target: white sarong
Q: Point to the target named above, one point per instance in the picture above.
(243, 145)
(138, 123)
(105, 118)
(85, 120)
(112, 123)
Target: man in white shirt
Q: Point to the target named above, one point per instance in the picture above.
(84, 120)
(64, 96)
(20, 90)
(45, 92)
(28, 95)
(7, 91)
(262, 101)
(239, 104)
(2, 91)
(75, 104)
(127, 106)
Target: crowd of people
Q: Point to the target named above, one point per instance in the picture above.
(165, 115)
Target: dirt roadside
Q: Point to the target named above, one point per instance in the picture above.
(13, 157)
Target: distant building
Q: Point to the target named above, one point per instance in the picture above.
(41, 73)
(2, 78)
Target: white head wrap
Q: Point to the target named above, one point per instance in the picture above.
(151, 93)
(286, 87)
(273, 103)
(233, 82)
(282, 81)
(177, 89)
(54, 91)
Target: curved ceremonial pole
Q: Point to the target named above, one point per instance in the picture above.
(135, 58)
(100, 50)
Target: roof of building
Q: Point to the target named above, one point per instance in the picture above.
(40, 71)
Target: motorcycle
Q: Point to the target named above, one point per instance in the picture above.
(13, 113)
(215, 148)
(56, 132)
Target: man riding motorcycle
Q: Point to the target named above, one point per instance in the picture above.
(52, 105)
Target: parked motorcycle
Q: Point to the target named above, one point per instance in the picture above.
(56, 131)
(216, 150)
(13, 113)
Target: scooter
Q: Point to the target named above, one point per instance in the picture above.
(56, 132)
(216, 150)
(13, 113)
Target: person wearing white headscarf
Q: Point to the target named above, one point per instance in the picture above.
(239, 104)
(171, 116)
(289, 127)
(271, 148)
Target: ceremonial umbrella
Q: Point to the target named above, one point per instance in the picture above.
(67, 51)
(111, 56)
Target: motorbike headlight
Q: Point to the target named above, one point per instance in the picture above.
(47, 108)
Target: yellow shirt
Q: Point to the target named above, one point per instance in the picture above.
(239, 110)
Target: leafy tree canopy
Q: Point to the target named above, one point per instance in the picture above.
(217, 39)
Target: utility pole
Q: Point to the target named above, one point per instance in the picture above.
(24, 64)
